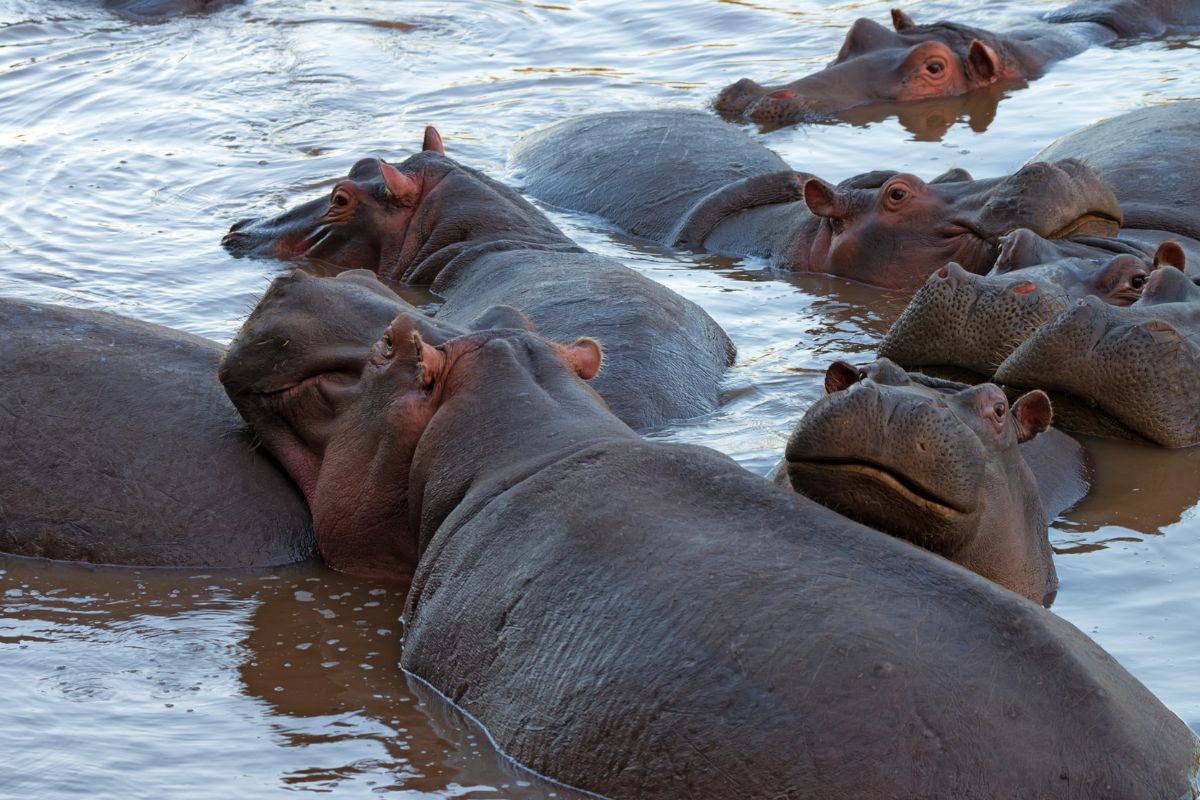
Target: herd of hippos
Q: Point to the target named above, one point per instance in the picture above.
(650, 620)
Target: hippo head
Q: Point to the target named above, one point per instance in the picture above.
(974, 322)
(932, 462)
(877, 65)
(402, 221)
(1129, 372)
(893, 229)
(295, 372)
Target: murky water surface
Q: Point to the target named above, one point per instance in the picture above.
(128, 150)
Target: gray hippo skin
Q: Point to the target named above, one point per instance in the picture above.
(1127, 372)
(478, 244)
(685, 179)
(973, 322)
(646, 620)
(911, 63)
(949, 467)
(119, 447)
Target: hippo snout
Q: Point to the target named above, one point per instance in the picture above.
(737, 97)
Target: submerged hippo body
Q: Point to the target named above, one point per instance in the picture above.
(478, 244)
(1128, 372)
(942, 465)
(703, 184)
(566, 570)
(119, 447)
(911, 63)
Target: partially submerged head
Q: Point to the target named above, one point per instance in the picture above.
(1122, 371)
(932, 462)
(893, 229)
(876, 65)
(345, 417)
(393, 219)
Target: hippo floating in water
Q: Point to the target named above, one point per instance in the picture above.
(914, 62)
(1130, 372)
(938, 463)
(430, 220)
(119, 447)
(566, 570)
(686, 179)
(973, 322)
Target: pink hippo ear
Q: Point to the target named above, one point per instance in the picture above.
(839, 376)
(1033, 414)
(400, 187)
(431, 362)
(901, 21)
(822, 199)
(983, 65)
(433, 141)
(585, 357)
(1170, 254)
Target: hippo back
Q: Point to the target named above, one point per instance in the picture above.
(120, 447)
(615, 165)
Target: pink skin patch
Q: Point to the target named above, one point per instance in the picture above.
(1023, 288)
(944, 272)
(786, 94)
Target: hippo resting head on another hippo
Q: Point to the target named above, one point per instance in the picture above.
(1130, 372)
(974, 322)
(936, 463)
(479, 244)
(566, 569)
(877, 65)
(706, 185)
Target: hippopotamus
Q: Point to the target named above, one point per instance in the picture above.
(949, 467)
(1128, 372)
(703, 184)
(162, 10)
(973, 322)
(479, 244)
(912, 62)
(121, 448)
(577, 573)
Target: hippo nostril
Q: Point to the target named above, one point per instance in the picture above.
(786, 94)
(1024, 288)
(944, 272)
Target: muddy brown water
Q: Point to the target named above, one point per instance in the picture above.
(129, 149)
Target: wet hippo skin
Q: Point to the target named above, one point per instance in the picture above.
(706, 185)
(477, 243)
(119, 447)
(591, 600)
(950, 467)
(911, 63)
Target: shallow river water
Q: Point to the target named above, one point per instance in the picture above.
(129, 149)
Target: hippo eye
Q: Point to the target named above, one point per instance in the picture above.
(897, 194)
(340, 198)
(1137, 281)
(999, 409)
(934, 67)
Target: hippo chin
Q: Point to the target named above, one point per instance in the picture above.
(938, 464)
(973, 322)
(120, 448)
(706, 185)
(913, 63)
(1121, 371)
(478, 244)
(638, 626)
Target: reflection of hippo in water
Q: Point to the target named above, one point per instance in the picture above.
(162, 10)
(703, 184)
(1121, 371)
(480, 244)
(938, 464)
(119, 447)
(918, 62)
(581, 575)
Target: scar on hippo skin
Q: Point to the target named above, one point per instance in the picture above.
(936, 463)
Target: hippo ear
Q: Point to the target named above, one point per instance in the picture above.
(430, 360)
(433, 141)
(585, 357)
(901, 21)
(498, 317)
(954, 175)
(983, 65)
(400, 187)
(1170, 254)
(822, 199)
(841, 375)
(1033, 414)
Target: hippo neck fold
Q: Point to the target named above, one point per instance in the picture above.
(786, 234)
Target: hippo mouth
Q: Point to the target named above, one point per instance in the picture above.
(898, 484)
